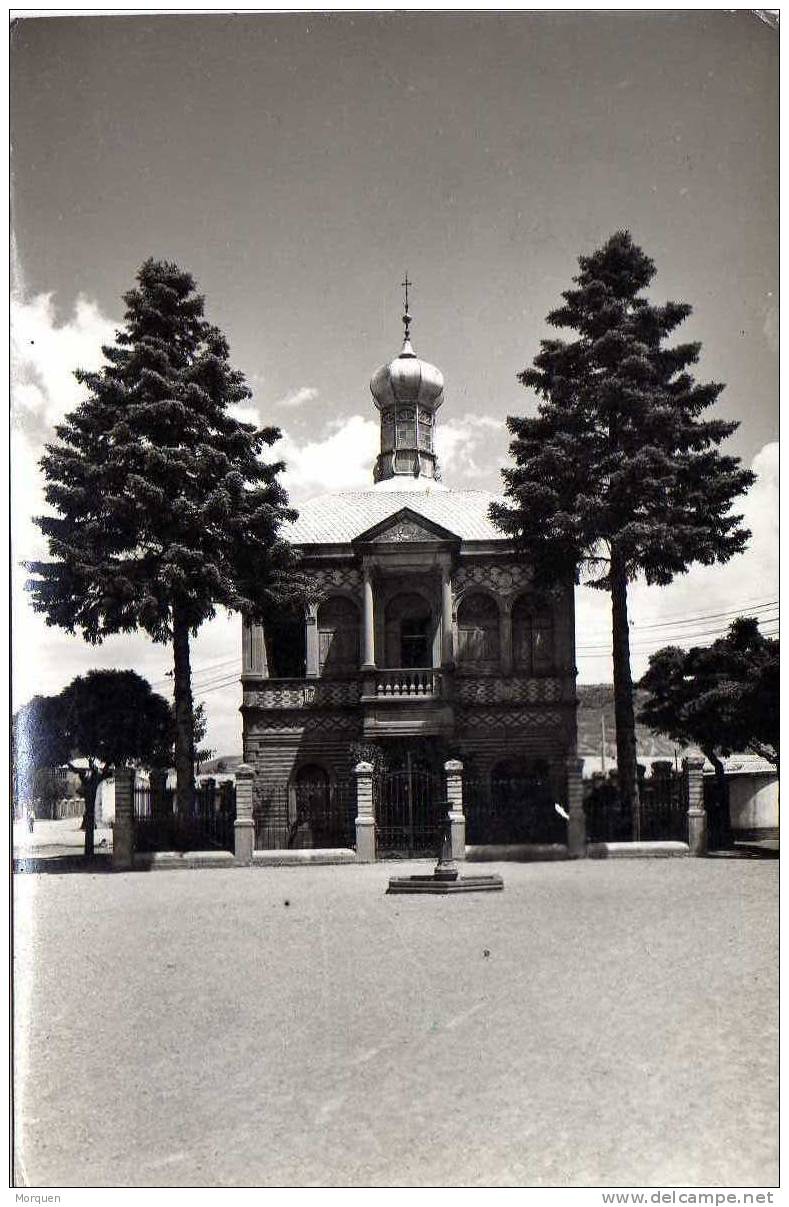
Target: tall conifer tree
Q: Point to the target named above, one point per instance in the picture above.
(618, 473)
(164, 508)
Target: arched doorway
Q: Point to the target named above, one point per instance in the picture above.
(410, 631)
(338, 636)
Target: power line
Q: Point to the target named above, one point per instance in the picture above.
(682, 634)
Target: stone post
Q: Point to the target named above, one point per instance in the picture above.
(244, 825)
(123, 829)
(365, 818)
(368, 662)
(576, 825)
(457, 819)
(693, 792)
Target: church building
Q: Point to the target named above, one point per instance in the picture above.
(426, 642)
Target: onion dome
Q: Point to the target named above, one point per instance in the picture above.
(407, 391)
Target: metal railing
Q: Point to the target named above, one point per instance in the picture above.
(310, 815)
(209, 825)
(663, 813)
(507, 811)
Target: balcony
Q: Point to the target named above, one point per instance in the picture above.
(406, 701)
(423, 682)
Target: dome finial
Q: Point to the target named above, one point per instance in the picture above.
(406, 315)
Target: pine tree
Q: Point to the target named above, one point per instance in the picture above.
(618, 474)
(165, 509)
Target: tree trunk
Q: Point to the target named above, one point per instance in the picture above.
(184, 725)
(624, 712)
(90, 785)
(721, 829)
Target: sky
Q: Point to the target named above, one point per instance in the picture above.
(298, 165)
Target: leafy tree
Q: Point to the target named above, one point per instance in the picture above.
(38, 744)
(164, 508)
(722, 698)
(618, 474)
(103, 720)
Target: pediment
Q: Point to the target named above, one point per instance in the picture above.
(405, 527)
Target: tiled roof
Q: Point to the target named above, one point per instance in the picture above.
(339, 518)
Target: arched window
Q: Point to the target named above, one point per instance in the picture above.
(410, 629)
(338, 635)
(286, 646)
(478, 629)
(532, 637)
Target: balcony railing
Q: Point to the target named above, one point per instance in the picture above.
(411, 683)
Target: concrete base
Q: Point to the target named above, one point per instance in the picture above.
(285, 858)
(442, 884)
(516, 852)
(152, 860)
(636, 850)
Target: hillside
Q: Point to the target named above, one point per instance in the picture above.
(596, 701)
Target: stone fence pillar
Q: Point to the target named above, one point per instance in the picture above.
(123, 828)
(365, 817)
(244, 825)
(693, 793)
(457, 819)
(576, 824)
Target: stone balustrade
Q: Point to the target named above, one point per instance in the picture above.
(422, 682)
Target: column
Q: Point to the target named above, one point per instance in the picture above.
(447, 644)
(253, 650)
(365, 818)
(123, 828)
(457, 819)
(576, 825)
(311, 643)
(244, 825)
(368, 662)
(505, 638)
(693, 791)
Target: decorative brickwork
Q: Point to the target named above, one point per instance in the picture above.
(503, 691)
(321, 694)
(502, 580)
(336, 578)
(302, 723)
(514, 718)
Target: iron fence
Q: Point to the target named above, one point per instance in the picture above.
(662, 810)
(410, 813)
(513, 810)
(208, 825)
(310, 815)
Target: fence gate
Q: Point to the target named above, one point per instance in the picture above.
(410, 810)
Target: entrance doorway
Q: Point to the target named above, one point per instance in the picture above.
(410, 809)
(410, 631)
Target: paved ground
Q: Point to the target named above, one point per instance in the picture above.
(298, 1027)
(51, 839)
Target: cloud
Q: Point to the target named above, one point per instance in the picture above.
(44, 355)
(342, 459)
(297, 398)
(702, 594)
(469, 448)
